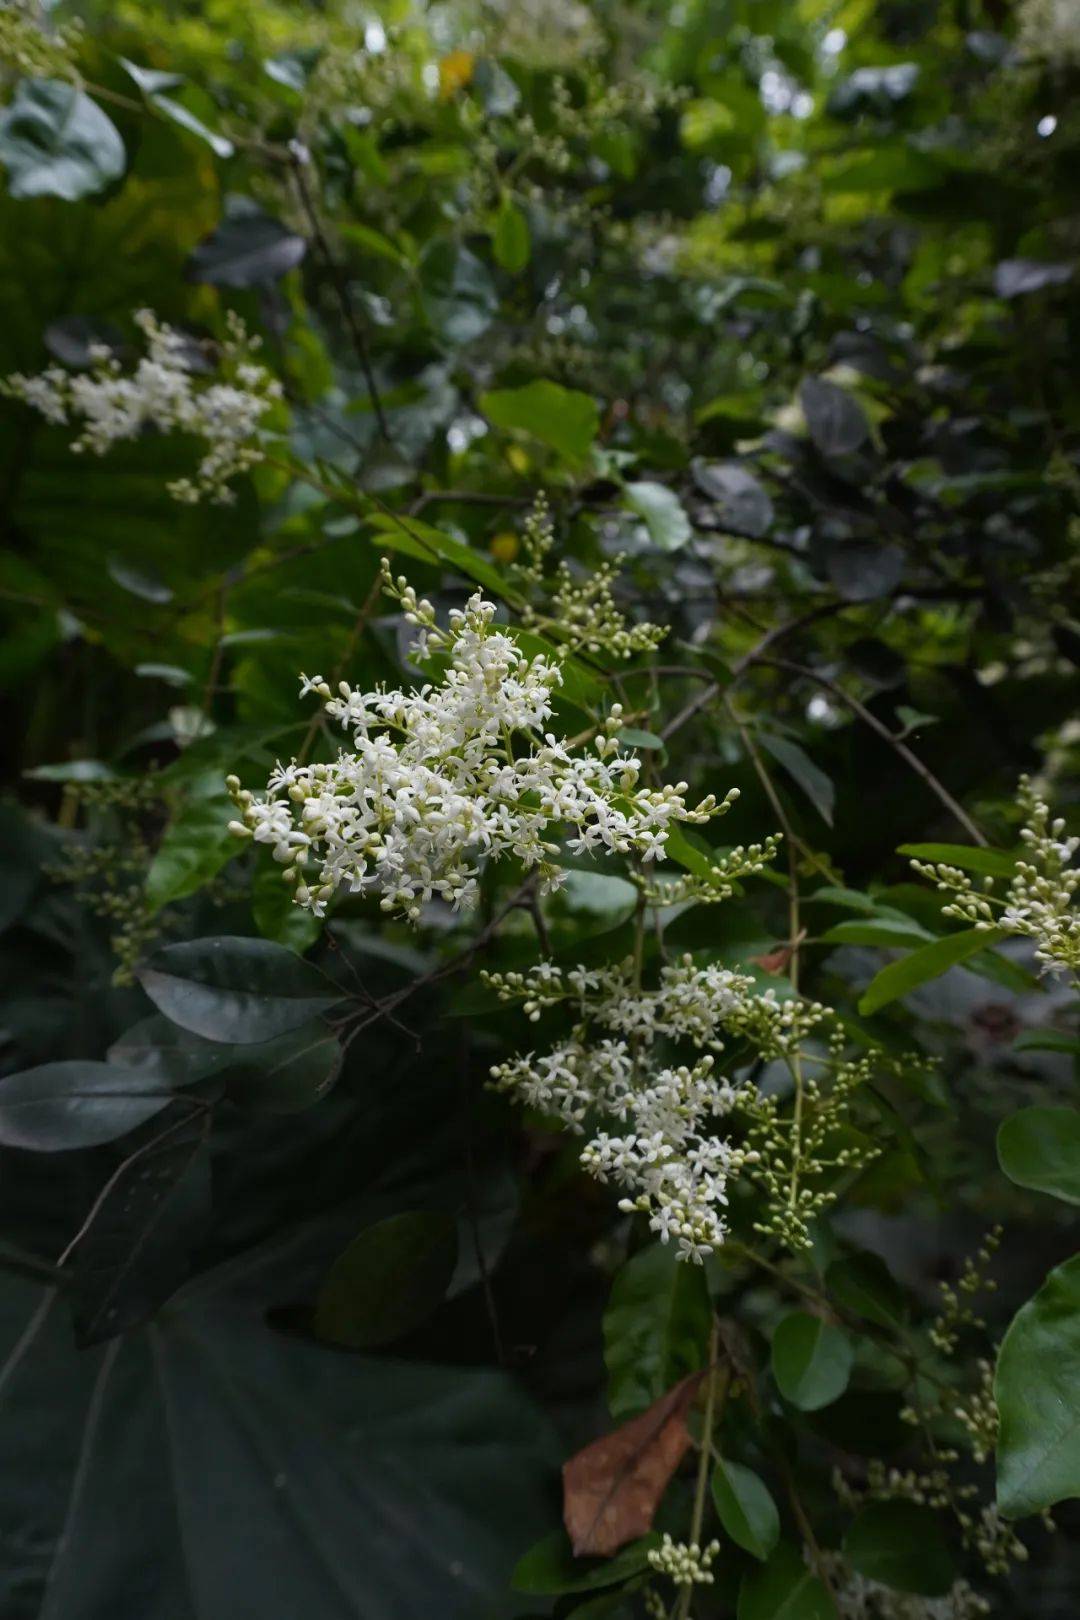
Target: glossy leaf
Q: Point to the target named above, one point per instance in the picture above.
(928, 962)
(811, 1360)
(662, 513)
(745, 1508)
(1040, 1148)
(235, 989)
(1037, 1389)
(76, 1104)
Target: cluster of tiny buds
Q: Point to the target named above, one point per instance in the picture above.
(687, 1563)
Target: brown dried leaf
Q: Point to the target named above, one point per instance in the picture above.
(774, 961)
(612, 1489)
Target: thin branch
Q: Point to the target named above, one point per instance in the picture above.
(341, 291)
(901, 748)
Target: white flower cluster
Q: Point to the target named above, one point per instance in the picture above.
(442, 777)
(858, 1598)
(685, 1562)
(1038, 902)
(670, 1164)
(165, 391)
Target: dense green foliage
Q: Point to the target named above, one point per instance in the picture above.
(753, 320)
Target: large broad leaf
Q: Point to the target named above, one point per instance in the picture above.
(662, 513)
(1040, 1148)
(1037, 1388)
(56, 142)
(75, 1105)
(565, 419)
(389, 1278)
(929, 962)
(236, 989)
(784, 1589)
(811, 1360)
(902, 1545)
(656, 1328)
(255, 1474)
(745, 1508)
(862, 1283)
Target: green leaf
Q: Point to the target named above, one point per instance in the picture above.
(235, 989)
(837, 422)
(656, 1328)
(745, 1508)
(276, 914)
(74, 1104)
(510, 240)
(811, 1361)
(415, 539)
(1037, 1388)
(564, 419)
(550, 1567)
(285, 1075)
(388, 1280)
(877, 931)
(902, 1545)
(662, 512)
(56, 142)
(196, 843)
(929, 962)
(1047, 1040)
(248, 249)
(968, 857)
(1040, 1148)
(862, 1283)
(802, 770)
(344, 1485)
(784, 1589)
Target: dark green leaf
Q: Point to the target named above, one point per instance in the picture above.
(745, 1508)
(811, 1361)
(235, 989)
(801, 768)
(75, 1104)
(550, 1566)
(969, 857)
(784, 1589)
(656, 1328)
(1037, 1388)
(837, 422)
(388, 1280)
(902, 1545)
(929, 962)
(247, 249)
(863, 1283)
(1040, 1148)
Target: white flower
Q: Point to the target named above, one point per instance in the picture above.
(445, 777)
(163, 392)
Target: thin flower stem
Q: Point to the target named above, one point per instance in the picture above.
(715, 1396)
